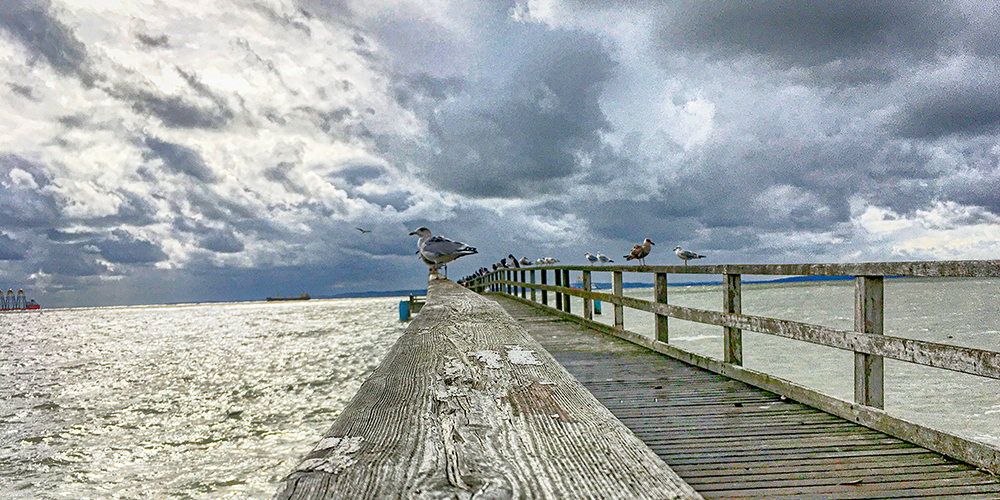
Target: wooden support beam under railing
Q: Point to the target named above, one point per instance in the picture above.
(868, 368)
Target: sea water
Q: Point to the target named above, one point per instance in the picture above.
(213, 401)
(191, 401)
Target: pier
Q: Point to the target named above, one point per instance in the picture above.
(459, 410)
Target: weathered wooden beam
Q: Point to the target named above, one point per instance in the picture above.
(559, 284)
(660, 291)
(566, 297)
(588, 304)
(533, 282)
(732, 337)
(545, 293)
(619, 310)
(467, 405)
(868, 368)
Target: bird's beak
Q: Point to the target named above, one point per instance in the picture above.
(412, 233)
(651, 243)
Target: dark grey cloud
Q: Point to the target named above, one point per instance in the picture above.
(173, 111)
(22, 90)
(809, 32)
(153, 41)
(527, 136)
(73, 261)
(124, 248)
(12, 249)
(962, 109)
(178, 158)
(222, 242)
(23, 205)
(409, 87)
(31, 23)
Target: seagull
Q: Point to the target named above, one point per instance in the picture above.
(363, 231)
(641, 251)
(437, 251)
(513, 260)
(687, 255)
(525, 261)
(603, 258)
(590, 257)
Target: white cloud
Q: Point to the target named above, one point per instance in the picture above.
(947, 230)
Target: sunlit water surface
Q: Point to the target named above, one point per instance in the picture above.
(196, 401)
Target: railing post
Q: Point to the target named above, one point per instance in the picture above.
(532, 272)
(524, 292)
(558, 275)
(545, 293)
(660, 289)
(566, 296)
(868, 372)
(588, 303)
(619, 309)
(733, 337)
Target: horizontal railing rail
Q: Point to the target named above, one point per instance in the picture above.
(867, 341)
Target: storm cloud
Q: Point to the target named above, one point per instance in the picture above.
(243, 147)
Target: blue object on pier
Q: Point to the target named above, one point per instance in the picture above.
(597, 307)
(404, 310)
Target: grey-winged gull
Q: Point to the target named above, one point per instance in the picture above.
(687, 255)
(437, 251)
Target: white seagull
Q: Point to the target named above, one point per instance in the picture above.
(603, 258)
(590, 257)
(525, 262)
(687, 255)
(437, 251)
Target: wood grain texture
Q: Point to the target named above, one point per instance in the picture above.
(731, 440)
(467, 405)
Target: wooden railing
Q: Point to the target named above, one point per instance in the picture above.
(867, 341)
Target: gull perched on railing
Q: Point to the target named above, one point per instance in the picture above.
(687, 255)
(603, 258)
(639, 252)
(437, 251)
(590, 258)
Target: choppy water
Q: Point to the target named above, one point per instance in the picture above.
(223, 400)
(962, 312)
(199, 401)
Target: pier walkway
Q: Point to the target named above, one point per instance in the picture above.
(728, 439)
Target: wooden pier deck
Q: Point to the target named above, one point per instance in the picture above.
(730, 440)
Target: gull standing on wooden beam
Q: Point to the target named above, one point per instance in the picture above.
(687, 255)
(437, 251)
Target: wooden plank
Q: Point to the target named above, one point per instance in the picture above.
(467, 405)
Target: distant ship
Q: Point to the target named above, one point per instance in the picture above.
(19, 302)
(304, 296)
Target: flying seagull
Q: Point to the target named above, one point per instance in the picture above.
(437, 251)
(363, 231)
(641, 251)
(687, 255)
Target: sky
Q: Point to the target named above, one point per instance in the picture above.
(182, 151)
